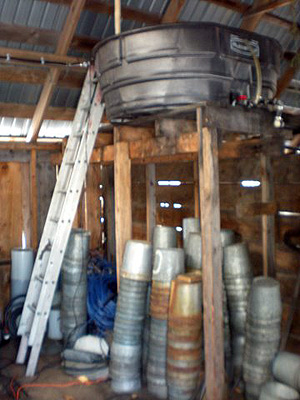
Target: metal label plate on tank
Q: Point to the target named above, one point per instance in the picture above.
(238, 45)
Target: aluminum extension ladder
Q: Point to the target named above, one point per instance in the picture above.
(59, 222)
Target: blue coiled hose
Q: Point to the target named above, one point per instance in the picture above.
(102, 296)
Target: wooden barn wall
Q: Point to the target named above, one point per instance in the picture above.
(15, 210)
(232, 194)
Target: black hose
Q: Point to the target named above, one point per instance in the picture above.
(11, 314)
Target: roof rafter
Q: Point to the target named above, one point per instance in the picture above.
(173, 11)
(242, 8)
(62, 48)
(16, 110)
(263, 8)
(37, 76)
(104, 8)
(44, 37)
(251, 18)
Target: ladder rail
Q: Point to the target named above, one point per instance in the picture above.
(61, 239)
(55, 207)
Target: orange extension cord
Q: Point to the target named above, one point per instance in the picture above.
(17, 393)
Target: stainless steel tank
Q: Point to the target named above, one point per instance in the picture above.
(168, 263)
(184, 352)
(148, 70)
(74, 286)
(262, 334)
(126, 350)
(278, 391)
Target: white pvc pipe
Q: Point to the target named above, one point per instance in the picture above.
(21, 268)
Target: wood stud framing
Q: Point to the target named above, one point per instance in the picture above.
(211, 261)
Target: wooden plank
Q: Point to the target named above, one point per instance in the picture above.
(35, 76)
(173, 11)
(184, 148)
(196, 189)
(236, 6)
(62, 48)
(103, 7)
(269, 6)
(42, 37)
(16, 110)
(28, 55)
(151, 199)
(251, 21)
(93, 212)
(268, 221)
(252, 209)
(11, 213)
(212, 262)
(285, 79)
(22, 146)
(123, 213)
(33, 200)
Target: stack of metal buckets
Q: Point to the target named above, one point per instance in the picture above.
(158, 326)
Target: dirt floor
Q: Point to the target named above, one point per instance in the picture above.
(51, 383)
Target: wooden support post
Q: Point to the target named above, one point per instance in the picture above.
(117, 17)
(123, 216)
(151, 199)
(196, 189)
(33, 200)
(268, 221)
(212, 261)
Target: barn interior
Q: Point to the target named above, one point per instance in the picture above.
(150, 199)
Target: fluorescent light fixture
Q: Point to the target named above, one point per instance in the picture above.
(164, 205)
(169, 183)
(177, 205)
(250, 183)
(178, 228)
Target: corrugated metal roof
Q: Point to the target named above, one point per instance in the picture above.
(40, 14)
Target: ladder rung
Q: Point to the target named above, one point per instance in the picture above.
(55, 220)
(62, 191)
(70, 163)
(32, 307)
(39, 278)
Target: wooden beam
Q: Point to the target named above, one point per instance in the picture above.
(151, 199)
(285, 79)
(245, 209)
(211, 261)
(22, 146)
(33, 200)
(36, 76)
(173, 11)
(268, 221)
(242, 8)
(16, 110)
(269, 6)
(251, 21)
(43, 37)
(103, 7)
(62, 48)
(196, 189)
(28, 55)
(164, 149)
(123, 201)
